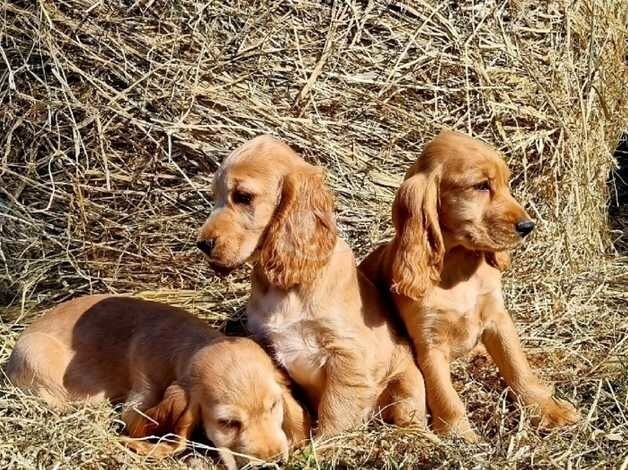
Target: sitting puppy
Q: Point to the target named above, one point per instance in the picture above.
(455, 221)
(322, 319)
(170, 369)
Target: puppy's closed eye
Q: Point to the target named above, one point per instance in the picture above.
(482, 186)
(242, 197)
(231, 425)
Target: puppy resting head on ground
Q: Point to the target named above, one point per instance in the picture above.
(170, 369)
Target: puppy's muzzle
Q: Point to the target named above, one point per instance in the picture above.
(524, 227)
(206, 246)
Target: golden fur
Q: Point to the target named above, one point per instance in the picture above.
(165, 363)
(321, 318)
(455, 221)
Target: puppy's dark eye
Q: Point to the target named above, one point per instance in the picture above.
(241, 197)
(275, 405)
(483, 186)
(230, 424)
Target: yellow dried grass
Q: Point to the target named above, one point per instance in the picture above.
(113, 116)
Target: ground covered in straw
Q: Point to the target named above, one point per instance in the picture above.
(114, 115)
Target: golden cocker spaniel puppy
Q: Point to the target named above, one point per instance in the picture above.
(321, 318)
(455, 221)
(170, 369)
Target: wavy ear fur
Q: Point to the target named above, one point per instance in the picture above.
(498, 259)
(418, 245)
(297, 422)
(302, 233)
(172, 415)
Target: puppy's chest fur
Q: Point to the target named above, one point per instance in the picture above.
(458, 316)
(284, 322)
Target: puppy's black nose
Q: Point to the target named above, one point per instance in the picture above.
(206, 246)
(524, 227)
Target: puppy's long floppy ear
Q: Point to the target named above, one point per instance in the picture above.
(499, 259)
(297, 423)
(302, 233)
(418, 244)
(173, 414)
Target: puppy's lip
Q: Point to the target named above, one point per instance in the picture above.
(505, 246)
(219, 268)
(494, 247)
(514, 244)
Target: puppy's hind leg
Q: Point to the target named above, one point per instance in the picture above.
(37, 365)
(349, 395)
(404, 398)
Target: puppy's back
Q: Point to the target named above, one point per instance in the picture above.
(93, 347)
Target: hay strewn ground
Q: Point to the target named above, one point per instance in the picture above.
(113, 116)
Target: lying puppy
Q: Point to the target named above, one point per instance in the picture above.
(455, 221)
(324, 321)
(168, 365)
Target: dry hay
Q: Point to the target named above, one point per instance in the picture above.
(113, 116)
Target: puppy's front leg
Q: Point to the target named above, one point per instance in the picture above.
(502, 342)
(432, 355)
(348, 396)
(172, 415)
(140, 398)
(448, 412)
(159, 450)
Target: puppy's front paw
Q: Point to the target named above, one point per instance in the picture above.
(458, 427)
(556, 413)
(156, 451)
(469, 436)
